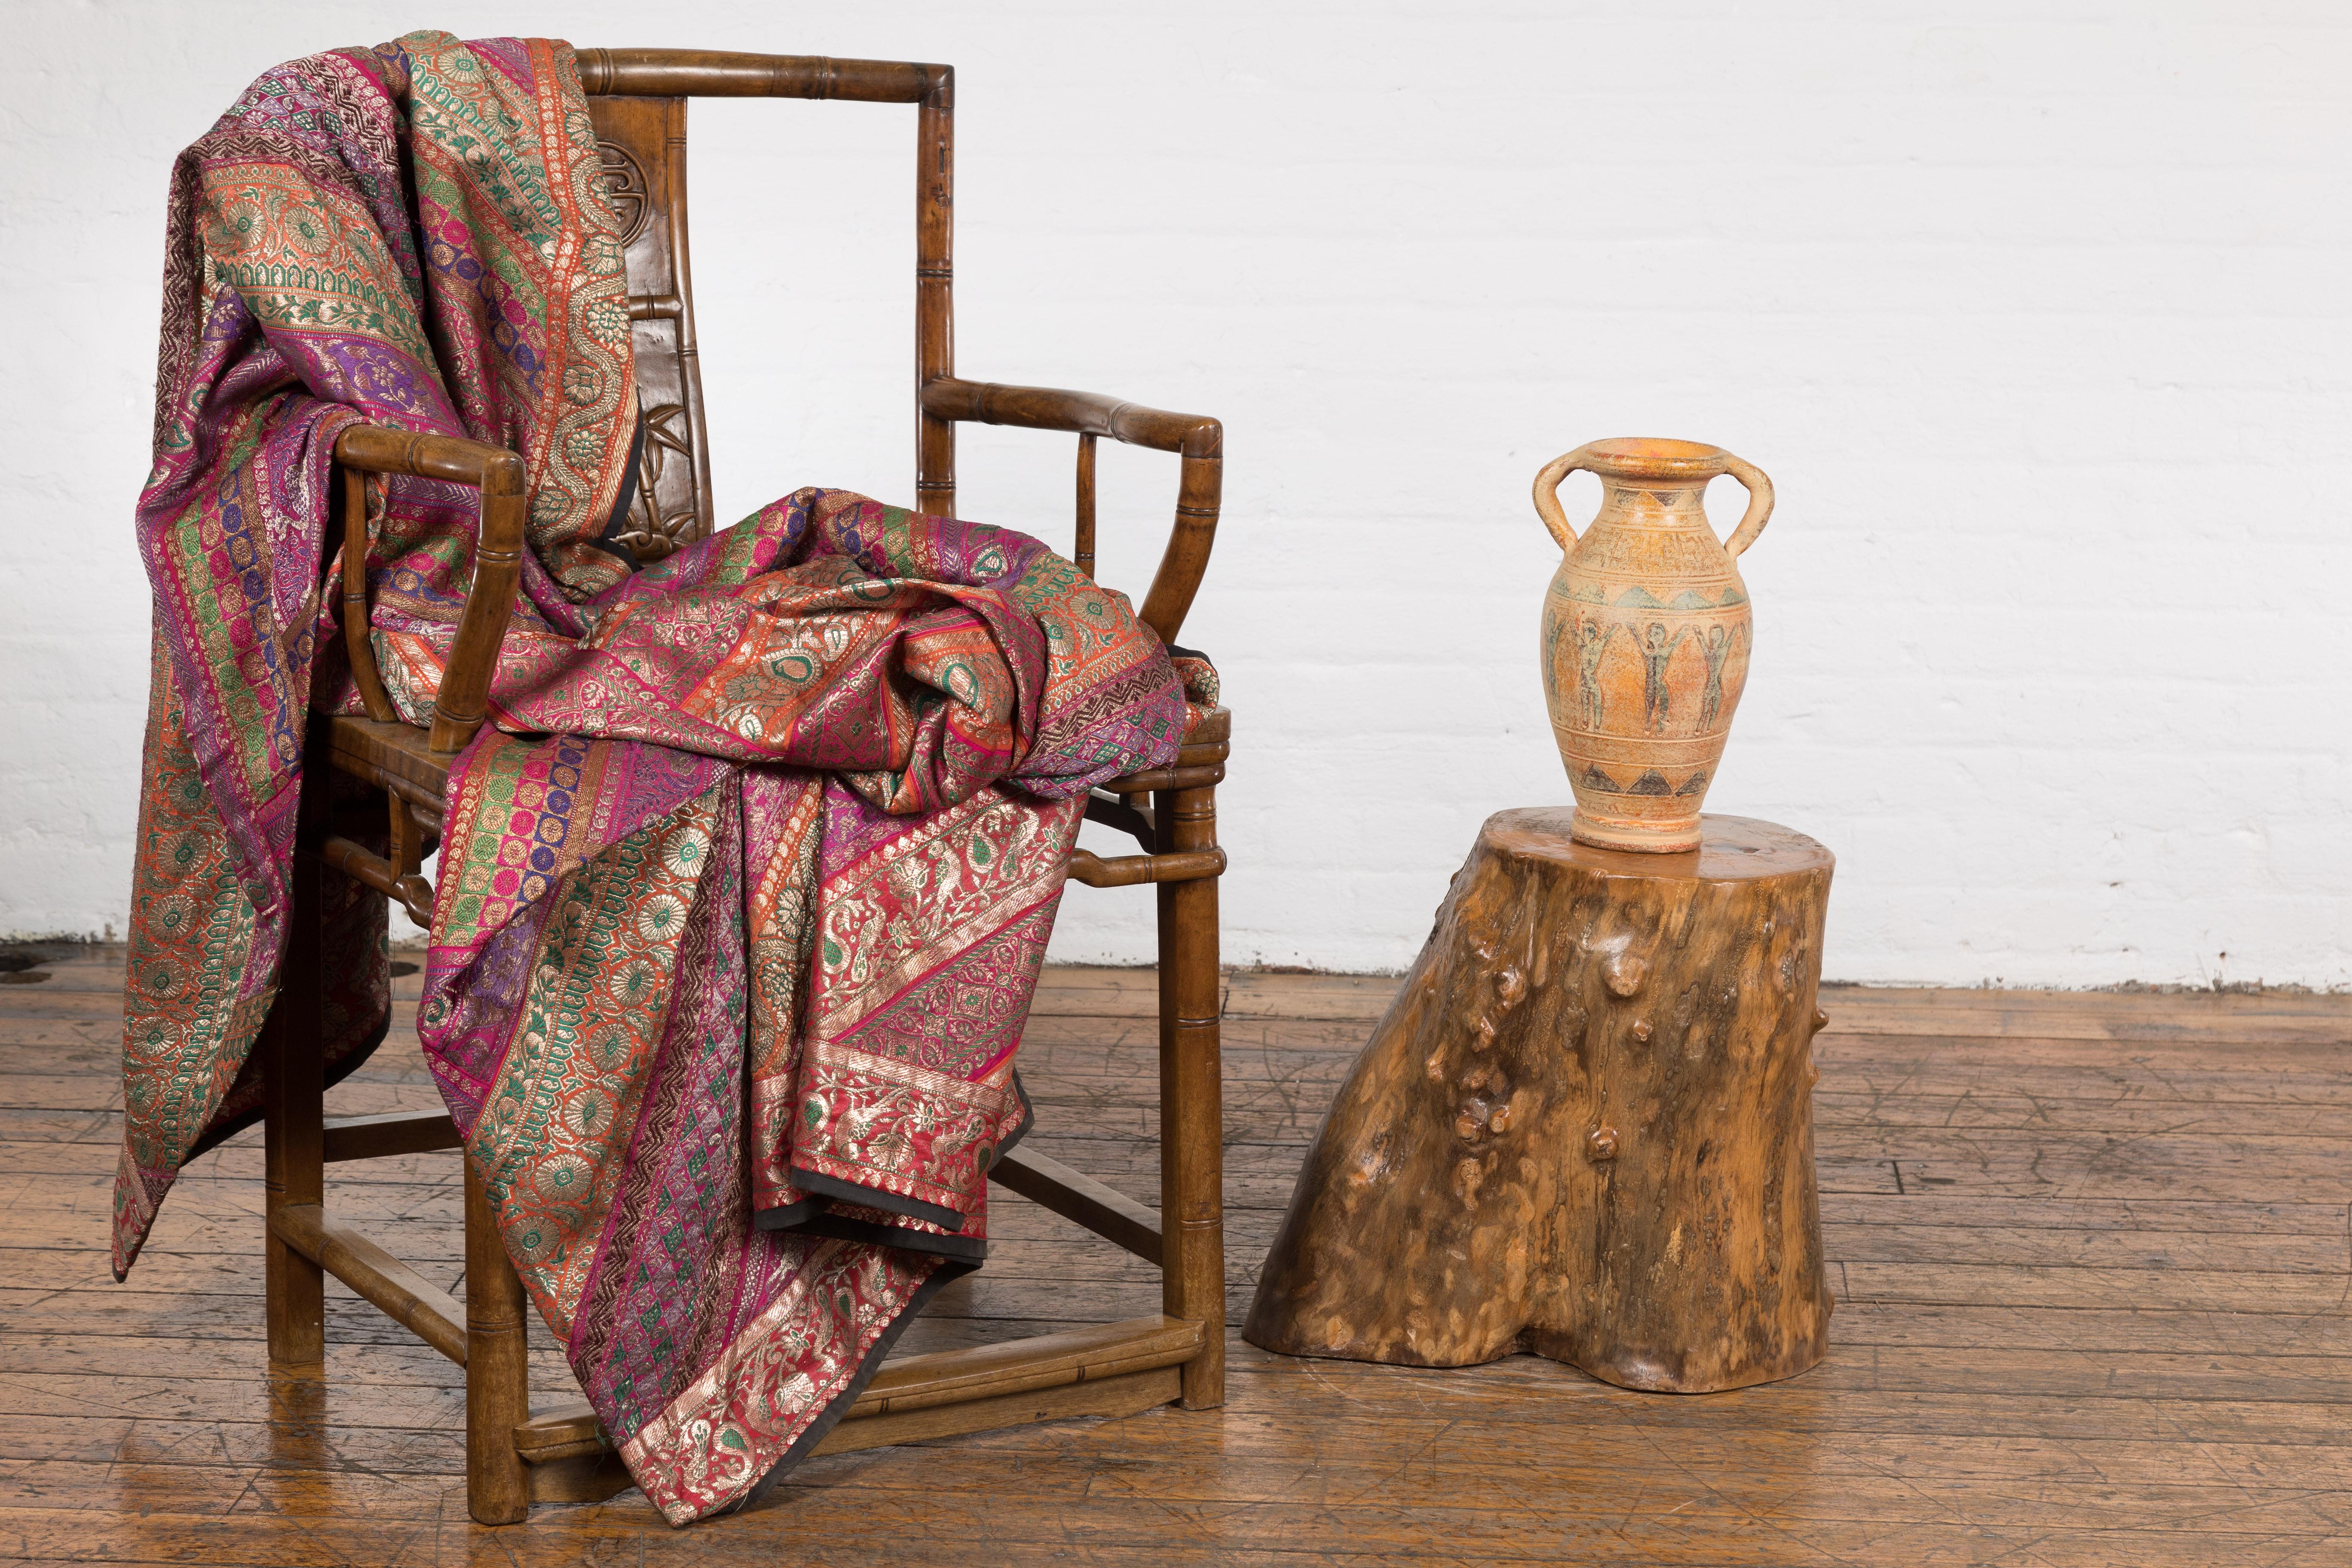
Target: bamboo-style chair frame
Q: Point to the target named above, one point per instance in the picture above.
(637, 98)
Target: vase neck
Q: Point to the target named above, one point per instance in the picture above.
(1653, 503)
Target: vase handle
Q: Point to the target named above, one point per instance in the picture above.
(1759, 502)
(1548, 494)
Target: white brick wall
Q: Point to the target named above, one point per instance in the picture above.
(2036, 312)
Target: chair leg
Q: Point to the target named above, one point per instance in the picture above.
(498, 1369)
(1191, 1103)
(294, 1167)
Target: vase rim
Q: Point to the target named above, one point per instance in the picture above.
(1654, 458)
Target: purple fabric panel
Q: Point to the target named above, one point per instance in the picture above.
(664, 1250)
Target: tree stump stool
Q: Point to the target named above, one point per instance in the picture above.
(1584, 1127)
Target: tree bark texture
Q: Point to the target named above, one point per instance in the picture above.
(1585, 1128)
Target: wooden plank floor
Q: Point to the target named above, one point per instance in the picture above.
(2092, 1259)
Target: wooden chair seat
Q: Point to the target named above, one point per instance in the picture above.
(399, 759)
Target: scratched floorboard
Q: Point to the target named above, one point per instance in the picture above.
(2094, 1256)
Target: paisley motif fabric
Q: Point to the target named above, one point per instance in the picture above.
(743, 891)
(729, 1022)
(410, 234)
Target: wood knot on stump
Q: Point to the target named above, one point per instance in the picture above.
(1624, 974)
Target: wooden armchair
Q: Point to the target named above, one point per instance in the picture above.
(514, 1457)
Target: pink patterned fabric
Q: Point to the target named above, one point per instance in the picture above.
(744, 891)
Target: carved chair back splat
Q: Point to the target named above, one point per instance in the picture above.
(637, 98)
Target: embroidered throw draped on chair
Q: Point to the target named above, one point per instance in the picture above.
(744, 890)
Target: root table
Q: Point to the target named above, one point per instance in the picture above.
(1585, 1128)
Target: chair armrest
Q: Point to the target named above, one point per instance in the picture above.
(463, 701)
(1088, 412)
(1199, 440)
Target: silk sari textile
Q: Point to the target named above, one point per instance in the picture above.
(744, 890)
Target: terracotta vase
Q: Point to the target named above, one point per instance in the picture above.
(1646, 630)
